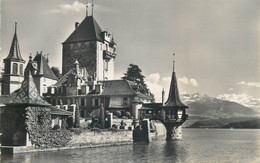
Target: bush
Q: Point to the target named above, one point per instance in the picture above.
(124, 117)
(56, 127)
(117, 113)
(128, 114)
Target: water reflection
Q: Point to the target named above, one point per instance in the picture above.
(196, 146)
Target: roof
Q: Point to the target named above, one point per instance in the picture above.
(43, 67)
(84, 75)
(117, 87)
(174, 98)
(56, 111)
(28, 93)
(121, 87)
(88, 30)
(14, 52)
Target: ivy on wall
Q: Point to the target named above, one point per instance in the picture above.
(38, 125)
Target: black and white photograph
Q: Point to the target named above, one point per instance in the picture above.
(129, 81)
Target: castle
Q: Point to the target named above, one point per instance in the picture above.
(87, 82)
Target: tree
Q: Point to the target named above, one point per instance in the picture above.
(133, 73)
(56, 72)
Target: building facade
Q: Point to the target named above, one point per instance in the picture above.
(13, 68)
(43, 75)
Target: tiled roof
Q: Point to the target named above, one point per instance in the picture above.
(28, 94)
(14, 52)
(117, 87)
(43, 67)
(88, 30)
(174, 98)
(121, 87)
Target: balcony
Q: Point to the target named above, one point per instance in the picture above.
(108, 55)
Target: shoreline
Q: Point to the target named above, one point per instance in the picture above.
(24, 149)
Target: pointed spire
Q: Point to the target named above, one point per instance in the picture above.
(14, 52)
(173, 62)
(92, 11)
(15, 26)
(173, 100)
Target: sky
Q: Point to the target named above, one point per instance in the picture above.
(216, 42)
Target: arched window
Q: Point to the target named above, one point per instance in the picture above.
(21, 69)
(15, 68)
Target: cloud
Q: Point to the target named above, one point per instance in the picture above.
(155, 87)
(76, 6)
(231, 89)
(156, 84)
(250, 84)
(186, 81)
(153, 78)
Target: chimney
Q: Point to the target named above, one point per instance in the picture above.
(163, 93)
(76, 25)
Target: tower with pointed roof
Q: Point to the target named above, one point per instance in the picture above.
(93, 48)
(13, 68)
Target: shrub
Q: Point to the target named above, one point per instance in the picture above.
(124, 117)
(128, 114)
(56, 127)
(117, 113)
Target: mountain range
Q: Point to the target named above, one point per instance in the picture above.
(206, 111)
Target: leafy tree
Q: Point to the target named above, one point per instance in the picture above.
(56, 72)
(133, 73)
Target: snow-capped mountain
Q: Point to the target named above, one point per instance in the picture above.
(242, 99)
(205, 106)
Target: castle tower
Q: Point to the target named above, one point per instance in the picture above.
(174, 110)
(93, 48)
(13, 68)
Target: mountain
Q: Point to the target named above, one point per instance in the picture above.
(242, 99)
(204, 106)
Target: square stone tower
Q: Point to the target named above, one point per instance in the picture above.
(93, 48)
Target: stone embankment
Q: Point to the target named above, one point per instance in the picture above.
(103, 137)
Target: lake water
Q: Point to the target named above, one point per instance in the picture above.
(198, 145)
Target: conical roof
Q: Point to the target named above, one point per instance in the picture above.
(14, 52)
(174, 98)
(28, 94)
(88, 30)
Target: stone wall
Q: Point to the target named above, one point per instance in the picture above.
(84, 52)
(102, 137)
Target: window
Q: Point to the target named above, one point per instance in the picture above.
(106, 65)
(82, 102)
(95, 102)
(21, 69)
(15, 68)
(125, 101)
